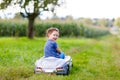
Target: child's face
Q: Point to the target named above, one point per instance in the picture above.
(54, 35)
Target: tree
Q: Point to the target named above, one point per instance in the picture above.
(117, 22)
(87, 21)
(30, 9)
(102, 22)
(69, 18)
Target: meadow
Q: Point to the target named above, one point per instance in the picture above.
(93, 58)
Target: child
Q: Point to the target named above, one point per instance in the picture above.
(51, 47)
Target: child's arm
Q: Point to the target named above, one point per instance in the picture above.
(58, 50)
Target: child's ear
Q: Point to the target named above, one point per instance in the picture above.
(48, 35)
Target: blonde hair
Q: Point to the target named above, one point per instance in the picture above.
(50, 30)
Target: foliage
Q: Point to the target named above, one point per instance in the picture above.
(93, 59)
(68, 29)
(92, 32)
(30, 9)
(87, 21)
(102, 22)
(117, 22)
(4, 4)
(8, 28)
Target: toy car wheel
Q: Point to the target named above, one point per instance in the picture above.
(67, 71)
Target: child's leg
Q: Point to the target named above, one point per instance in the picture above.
(62, 55)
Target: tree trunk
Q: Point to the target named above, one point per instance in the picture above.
(31, 28)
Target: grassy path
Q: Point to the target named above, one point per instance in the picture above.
(93, 59)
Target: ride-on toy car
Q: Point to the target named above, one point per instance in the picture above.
(53, 65)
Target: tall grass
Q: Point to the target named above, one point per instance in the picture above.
(93, 59)
(67, 29)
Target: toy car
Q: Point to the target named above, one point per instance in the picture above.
(53, 65)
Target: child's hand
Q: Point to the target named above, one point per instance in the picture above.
(62, 55)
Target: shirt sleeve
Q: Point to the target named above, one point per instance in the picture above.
(55, 45)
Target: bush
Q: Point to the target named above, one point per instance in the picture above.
(66, 29)
(91, 32)
(18, 28)
(9, 28)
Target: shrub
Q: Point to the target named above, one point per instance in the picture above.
(19, 28)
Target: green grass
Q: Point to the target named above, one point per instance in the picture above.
(93, 59)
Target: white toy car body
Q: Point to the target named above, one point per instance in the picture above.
(53, 65)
